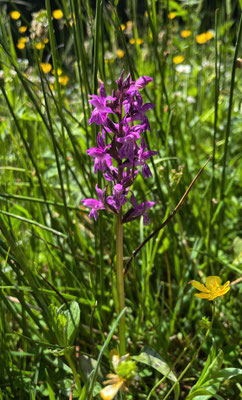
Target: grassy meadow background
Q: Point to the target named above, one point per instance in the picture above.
(55, 260)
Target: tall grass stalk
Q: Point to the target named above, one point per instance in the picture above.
(227, 133)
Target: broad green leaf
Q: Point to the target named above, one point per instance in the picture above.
(150, 357)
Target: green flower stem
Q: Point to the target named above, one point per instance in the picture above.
(74, 371)
(120, 281)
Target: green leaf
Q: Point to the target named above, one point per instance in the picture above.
(224, 374)
(150, 357)
(66, 322)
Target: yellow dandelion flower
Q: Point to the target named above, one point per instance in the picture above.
(178, 59)
(57, 14)
(132, 41)
(209, 35)
(202, 38)
(15, 14)
(212, 289)
(123, 27)
(46, 40)
(172, 15)
(46, 67)
(185, 33)
(22, 29)
(20, 45)
(63, 80)
(59, 71)
(40, 46)
(139, 41)
(120, 53)
(22, 39)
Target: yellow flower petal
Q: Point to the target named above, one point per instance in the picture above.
(185, 33)
(203, 295)
(199, 286)
(40, 46)
(57, 14)
(15, 14)
(172, 15)
(202, 38)
(123, 27)
(132, 41)
(46, 67)
(110, 391)
(178, 59)
(209, 35)
(120, 53)
(22, 29)
(21, 45)
(213, 282)
(114, 355)
(63, 79)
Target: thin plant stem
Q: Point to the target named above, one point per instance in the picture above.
(120, 280)
(227, 133)
(173, 365)
(194, 355)
(216, 104)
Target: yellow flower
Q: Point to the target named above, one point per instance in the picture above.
(123, 27)
(178, 59)
(172, 15)
(212, 289)
(22, 29)
(139, 41)
(40, 46)
(125, 371)
(114, 385)
(59, 71)
(209, 35)
(57, 14)
(46, 40)
(46, 67)
(51, 86)
(63, 80)
(202, 38)
(21, 45)
(132, 41)
(185, 33)
(22, 39)
(120, 53)
(15, 14)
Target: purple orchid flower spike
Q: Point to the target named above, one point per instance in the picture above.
(119, 159)
(128, 141)
(142, 157)
(102, 159)
(119, 195)
(138, 210)
(101, 109)
(94, 204)
(139, 84)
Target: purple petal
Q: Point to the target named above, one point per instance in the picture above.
(100, 141)
(146, 171)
